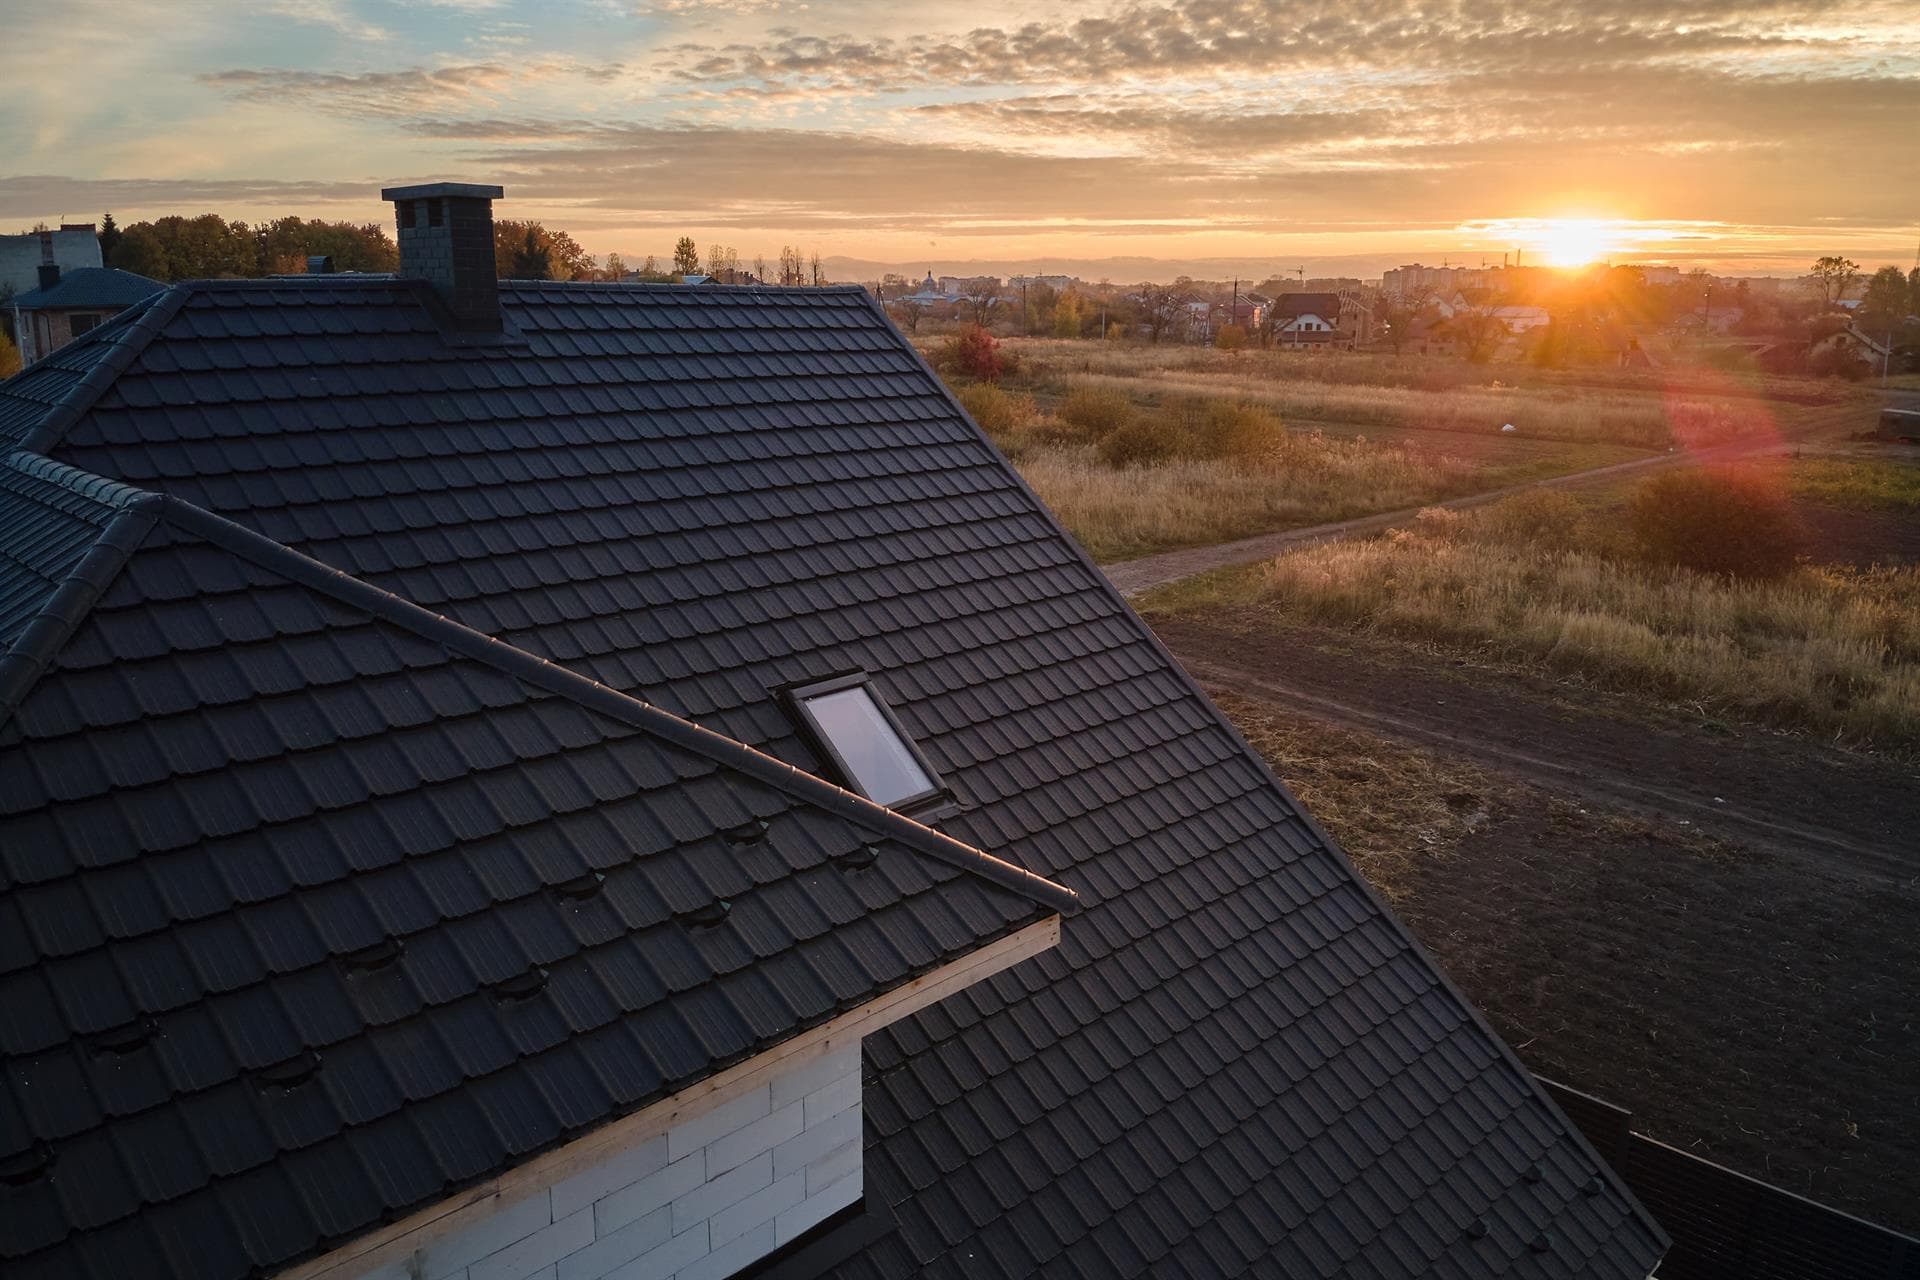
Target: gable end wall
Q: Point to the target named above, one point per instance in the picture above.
(726, 1186)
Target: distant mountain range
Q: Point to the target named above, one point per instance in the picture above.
(1364, 266)
(1118, 270)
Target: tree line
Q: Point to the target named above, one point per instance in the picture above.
(210, 247)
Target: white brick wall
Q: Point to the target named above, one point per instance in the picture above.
(715, 1193)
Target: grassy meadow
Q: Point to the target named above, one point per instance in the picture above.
(1142, 449)
(1638, 418)
(1859, 484)
(1542, 580)
(1131, 479)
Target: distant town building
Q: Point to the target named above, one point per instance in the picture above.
(1415, 278)
(1518, 320)
(963, 286)
(1247, 312)
(1059, 284)
(1306, 319)
(72, 303)
(1854, 342)
(928, 294)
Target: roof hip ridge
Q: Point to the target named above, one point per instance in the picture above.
(134, 513)
(530, 668)
(155, 314)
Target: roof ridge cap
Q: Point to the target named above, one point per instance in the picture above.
(530, 668)
(154, 315)
(104, 490)
(72, 599)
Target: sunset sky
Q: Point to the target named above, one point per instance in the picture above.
(1746, 135)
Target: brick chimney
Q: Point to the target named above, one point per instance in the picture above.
(49, 269)
(446, 239)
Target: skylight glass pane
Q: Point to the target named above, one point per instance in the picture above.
(877, 761)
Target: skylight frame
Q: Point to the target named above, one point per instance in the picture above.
(798, 697)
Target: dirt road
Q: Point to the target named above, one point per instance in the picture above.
(1847, 813)
(1716, 926)
(1135, 576)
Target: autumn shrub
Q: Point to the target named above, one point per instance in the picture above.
(1542, 519)
(998, 412)
(1726, 520)
(972, 353)
(1837, 362)
(1231, 337)
(1096, 412)
(1143, 442)
(1238, 432)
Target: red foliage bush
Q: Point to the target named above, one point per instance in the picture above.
(974, 353)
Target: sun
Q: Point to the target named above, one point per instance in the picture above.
(1574, 242)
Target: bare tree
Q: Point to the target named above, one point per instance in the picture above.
(908, 313)
(1480, 332)
(1164, 305)
(759, 268)
(723, 262)
(1837, 276)
(814, 268)
(1397, 312)
(792, 267)
(981, 294)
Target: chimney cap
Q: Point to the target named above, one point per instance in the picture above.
(439, 190)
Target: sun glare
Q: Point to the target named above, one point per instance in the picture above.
(1574, 242)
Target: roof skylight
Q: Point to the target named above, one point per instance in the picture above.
(868, 746)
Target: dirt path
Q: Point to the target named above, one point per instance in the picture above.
(1847, 813)
(1135, 576)
(1716, 927)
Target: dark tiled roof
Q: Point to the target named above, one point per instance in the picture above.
(1292, 306)
(316, 909)
(1236, 1062)
(90, 287)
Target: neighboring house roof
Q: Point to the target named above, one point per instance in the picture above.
(90, 287)
(1236, 1060)
(1295, 305)
(1858, 337)
(73, 247)
(321, 906)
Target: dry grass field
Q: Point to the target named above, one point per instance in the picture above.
(1131, 476)
(1141, 449)
(1129, 479)
(1542, 581)
(1044, 360)
(1645, 419)
(1119, 512)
